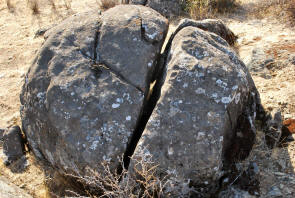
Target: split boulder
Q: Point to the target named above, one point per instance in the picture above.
(204, 119)
(85, 91)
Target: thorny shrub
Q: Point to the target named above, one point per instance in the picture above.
(140, 181)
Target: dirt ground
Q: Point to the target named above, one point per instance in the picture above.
(267, 46)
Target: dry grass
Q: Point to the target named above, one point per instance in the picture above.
(68, 4)
(34, 6)
(271, 163)
(140, 181)
(281, 9)
(107, 4)
(200, 9)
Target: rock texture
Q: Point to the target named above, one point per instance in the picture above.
(211, 25)
(137, 35)
(88, 96)
(85, 92)
(167, 8)
(13, 145)
(205, 116)
(234, 193)
(9, 190)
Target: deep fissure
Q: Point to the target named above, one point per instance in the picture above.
(151, 95)
(151, 98)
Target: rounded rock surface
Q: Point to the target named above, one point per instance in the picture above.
(205, 115)
(84, 93)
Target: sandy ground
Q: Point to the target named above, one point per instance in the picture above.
(267, 47)
(275, 43)
(259, 40)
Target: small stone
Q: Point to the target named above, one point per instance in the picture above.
(13, 145)
(290, 124)
(292, 60)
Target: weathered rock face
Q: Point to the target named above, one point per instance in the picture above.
(234, 193)
(211, 25)
(138, 2)
(86, 89)
(87, 96)
(13, 145)
(136, 36)
(205, 115)
(167, 8)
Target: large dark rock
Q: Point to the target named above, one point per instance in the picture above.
(167, 8)
(13, 145)
(204, 119)
(85, 92)
(87, 96)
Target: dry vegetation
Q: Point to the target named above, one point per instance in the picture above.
(197, 9)
(34, 5)
(107, 4)
(200, 9)
(140, 181)
(283, 9)
(9, 6)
